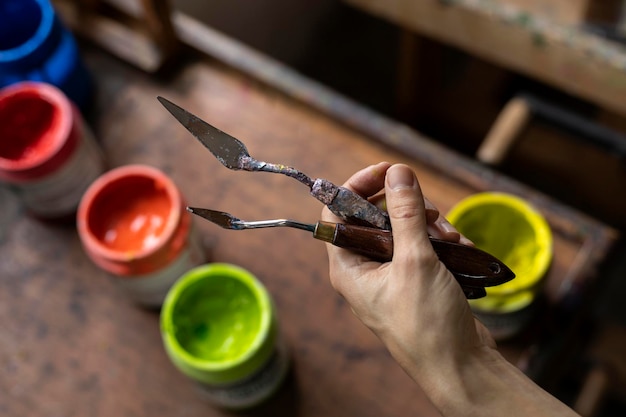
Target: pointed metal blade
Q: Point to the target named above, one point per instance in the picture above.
(228, 150)
(220, 218)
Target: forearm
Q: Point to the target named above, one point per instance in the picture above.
(480, 384)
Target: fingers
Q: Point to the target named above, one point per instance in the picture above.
(406, 207)
(432, 213)
(365, 182)
(465, 241)
(438, 226)
(442, 229)
(369, 182)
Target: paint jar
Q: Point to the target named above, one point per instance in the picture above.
(509, 228)
(219, 328)
(36, 46)
(133, 224)
(48, 156)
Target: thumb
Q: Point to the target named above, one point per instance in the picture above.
(405, 204)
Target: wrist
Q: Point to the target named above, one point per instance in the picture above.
(470, 384)
(478, 382)
(453, 380)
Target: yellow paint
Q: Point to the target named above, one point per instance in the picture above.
(513, 231)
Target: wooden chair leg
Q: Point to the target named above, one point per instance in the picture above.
(158, 15)
(593, 392)
(607, 378)
(139, 31)
(507, 128)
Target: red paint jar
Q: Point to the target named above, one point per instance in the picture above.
(133, 223)
(48, 156)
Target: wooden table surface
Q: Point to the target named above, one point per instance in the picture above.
(71, 343)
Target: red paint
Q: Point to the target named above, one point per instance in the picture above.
(39, 131)
(133, 216)
(26, 124)
(132, 221)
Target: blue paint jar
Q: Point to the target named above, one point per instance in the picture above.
(36, 46)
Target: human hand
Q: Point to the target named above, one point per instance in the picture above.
(413, 303)
(419, 311)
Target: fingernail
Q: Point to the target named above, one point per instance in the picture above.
(448, 231)
(399, 177)
(447, 227)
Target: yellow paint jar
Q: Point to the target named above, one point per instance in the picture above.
(512, 230)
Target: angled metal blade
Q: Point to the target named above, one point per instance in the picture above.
(228, 221)
(234, 155)
(220, 218)
(228, 150)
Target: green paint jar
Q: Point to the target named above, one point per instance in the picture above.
(512, 230)
(219, 327)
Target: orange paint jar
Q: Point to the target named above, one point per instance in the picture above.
(132, 223)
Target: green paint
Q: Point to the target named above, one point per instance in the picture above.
(217, 323)
(216, 319)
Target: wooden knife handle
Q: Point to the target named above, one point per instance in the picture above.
(470, 266)
(376, 244)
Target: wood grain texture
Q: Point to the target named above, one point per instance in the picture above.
(72, 344)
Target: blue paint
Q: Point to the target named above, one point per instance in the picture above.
(36, 46)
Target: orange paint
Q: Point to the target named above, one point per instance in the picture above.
(132, 222)
(133, 218)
